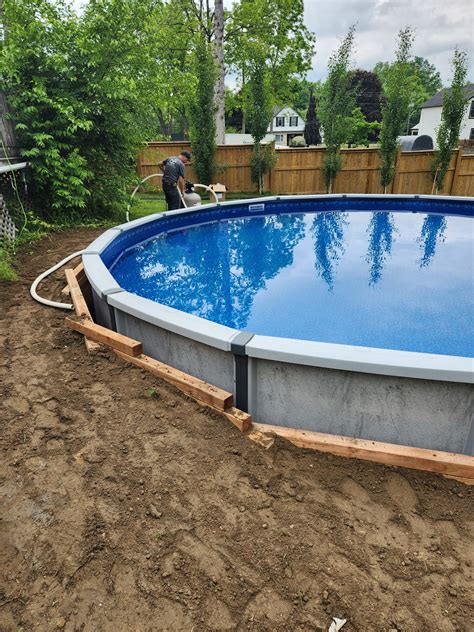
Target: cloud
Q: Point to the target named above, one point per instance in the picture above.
(438, 26)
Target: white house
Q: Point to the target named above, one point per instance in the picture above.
(430, 117)
(246, 139)
(286, 124)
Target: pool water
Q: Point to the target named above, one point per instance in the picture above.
(394, 280)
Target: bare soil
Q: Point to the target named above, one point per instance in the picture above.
(127, 506)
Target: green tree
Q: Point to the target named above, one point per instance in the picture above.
(48, 114)
(336, 106)
(258, 111)
(454, 106)
(300, 91)
(202, 126)
(277, 27)
(312, 135)
(83, 90)
(121, 78)
(362, 131)
(367, 88)
(424, 81)
(396, 106)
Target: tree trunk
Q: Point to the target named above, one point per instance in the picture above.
(243, 106)
(8, 144)
(434, 187)
(219, 94)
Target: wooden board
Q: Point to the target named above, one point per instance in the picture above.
(118, 342)
(80, 276)
(198, 389)
(455, 465)
(240, 419)
(465, 481)
(80, 306)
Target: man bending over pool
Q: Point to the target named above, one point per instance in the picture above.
(173, 178)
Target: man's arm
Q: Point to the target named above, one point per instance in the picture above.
(181, 184)
(162, 164)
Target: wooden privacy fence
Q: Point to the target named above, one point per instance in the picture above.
(299, 170)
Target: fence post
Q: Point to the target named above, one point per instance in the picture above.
(456, 170)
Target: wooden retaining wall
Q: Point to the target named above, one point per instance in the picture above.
(298, 170)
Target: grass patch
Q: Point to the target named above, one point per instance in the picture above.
(7, 271)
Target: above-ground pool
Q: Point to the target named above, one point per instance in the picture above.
(345, 314)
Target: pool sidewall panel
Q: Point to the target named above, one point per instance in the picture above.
(406, 411)
(382, 395)
(199, 360)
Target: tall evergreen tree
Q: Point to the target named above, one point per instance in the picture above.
(454, 106)
(202, 125)
(258, 113)
(396, 106)
(312, 134)
(336, 107)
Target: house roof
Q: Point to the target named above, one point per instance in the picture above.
(278, 108)
(437, 100)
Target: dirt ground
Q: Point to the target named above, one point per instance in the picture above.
(127, 506)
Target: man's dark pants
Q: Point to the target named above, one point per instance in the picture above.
(173, 199)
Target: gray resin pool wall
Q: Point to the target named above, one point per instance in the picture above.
(413, 399)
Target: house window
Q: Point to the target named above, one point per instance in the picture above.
(471, 111)
(279, 138)
(471, 135)
(293, 121)
(280, 121)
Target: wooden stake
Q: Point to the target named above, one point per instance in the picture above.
(128, 346)
(455, 465)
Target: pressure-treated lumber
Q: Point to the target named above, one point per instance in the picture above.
(78, 300)
(198, 389)
(80, 306)
(461, 479)
(119, 342)
(80, 276)
(458, 465)
(240, 419)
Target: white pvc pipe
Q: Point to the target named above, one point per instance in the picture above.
(160, 175)
(204, 186)
(43, 275)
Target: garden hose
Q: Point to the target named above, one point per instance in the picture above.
(43, 275)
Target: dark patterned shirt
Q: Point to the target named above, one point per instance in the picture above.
(173, 169)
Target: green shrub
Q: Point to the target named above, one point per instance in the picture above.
(298, 141)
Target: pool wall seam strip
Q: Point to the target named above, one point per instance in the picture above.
(238, 347)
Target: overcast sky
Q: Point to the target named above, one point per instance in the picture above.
(439, 25)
